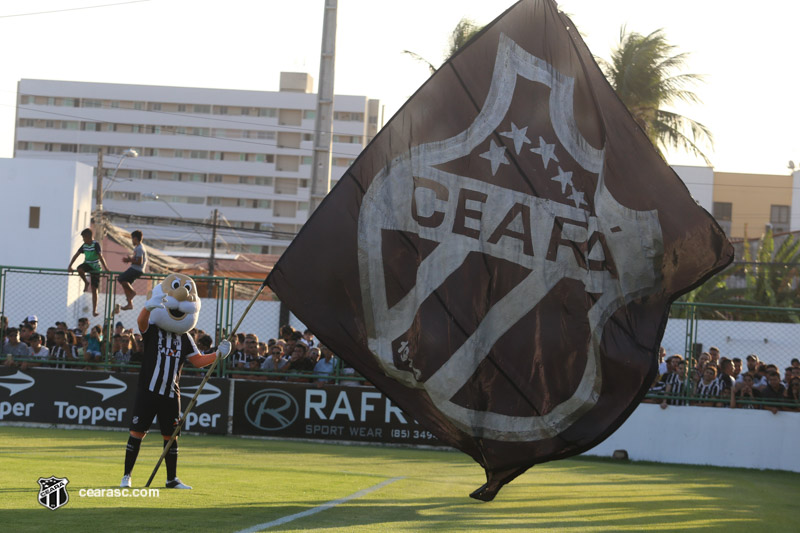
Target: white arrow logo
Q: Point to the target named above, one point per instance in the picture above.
(16, 382)
(110, 387)
(210, 392)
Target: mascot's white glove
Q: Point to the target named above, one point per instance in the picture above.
(156, 301)
(224, 349)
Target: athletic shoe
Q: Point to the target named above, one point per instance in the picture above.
(126, 481)
(177, 484)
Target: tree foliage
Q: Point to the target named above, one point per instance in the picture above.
(766, 277)
(465, 30)
(646, 74)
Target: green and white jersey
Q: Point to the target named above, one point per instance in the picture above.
(91, 254)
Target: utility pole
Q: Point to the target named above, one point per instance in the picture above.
(323, 125)
(99, 226)
(211, 260)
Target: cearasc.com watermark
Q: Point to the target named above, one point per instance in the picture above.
(119, 493)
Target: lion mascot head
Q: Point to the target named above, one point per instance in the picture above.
(181, 304)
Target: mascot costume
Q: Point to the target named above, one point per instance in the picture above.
(171, 310)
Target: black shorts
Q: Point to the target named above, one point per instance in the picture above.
(130, 275)
(94, 275)
(148, 405)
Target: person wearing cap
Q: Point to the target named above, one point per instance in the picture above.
(33, 321)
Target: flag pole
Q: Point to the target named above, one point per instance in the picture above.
(202, 384)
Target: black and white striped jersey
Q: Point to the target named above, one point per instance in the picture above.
(164, 355)
(68, 353)
(675, 385)
(710, 390)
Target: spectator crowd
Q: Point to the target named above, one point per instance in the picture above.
(711, 380)
(718, 381)
(293, 356)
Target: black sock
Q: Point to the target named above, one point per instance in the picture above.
(171, 460)
(131, 453)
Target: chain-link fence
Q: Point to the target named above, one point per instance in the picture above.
(55, 296)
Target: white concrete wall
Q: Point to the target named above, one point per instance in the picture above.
(708, 436)
(700, 182)
(62, 190)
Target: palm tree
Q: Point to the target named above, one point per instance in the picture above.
(643, 72)
(465, 30)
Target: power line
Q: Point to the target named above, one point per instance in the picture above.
(71, 9)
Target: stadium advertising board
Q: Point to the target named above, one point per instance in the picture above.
(98, 399)
(329, 412)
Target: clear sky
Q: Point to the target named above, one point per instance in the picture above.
(747, 50)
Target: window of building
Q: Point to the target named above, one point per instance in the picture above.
(269, 135)
(181, 108)
(199, 108)
(221, 110)
(199, 154)
(155, 106)
(306, 160)
(263, 181)
(138, 106)
(309, 114)
(723, 211)
(33, 217)
(308, 136)
(779, 214)
(267, 112)
(303, 184)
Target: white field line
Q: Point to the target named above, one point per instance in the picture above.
(323, 507)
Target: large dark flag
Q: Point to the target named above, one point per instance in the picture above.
(501, 259)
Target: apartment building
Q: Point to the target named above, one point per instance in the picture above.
(744, 204)
(246, 154)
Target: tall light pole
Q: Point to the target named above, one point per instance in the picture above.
(100, 228)
(323, 124)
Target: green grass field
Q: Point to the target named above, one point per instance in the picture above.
(240, 483)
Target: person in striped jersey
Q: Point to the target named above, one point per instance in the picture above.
(170, 312)
(708, 387)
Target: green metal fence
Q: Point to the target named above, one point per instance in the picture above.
(55, 295)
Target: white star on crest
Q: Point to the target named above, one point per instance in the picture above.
(518, 135)
(577, 197)
(564, 178)
(547, 151)
(496, 155)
